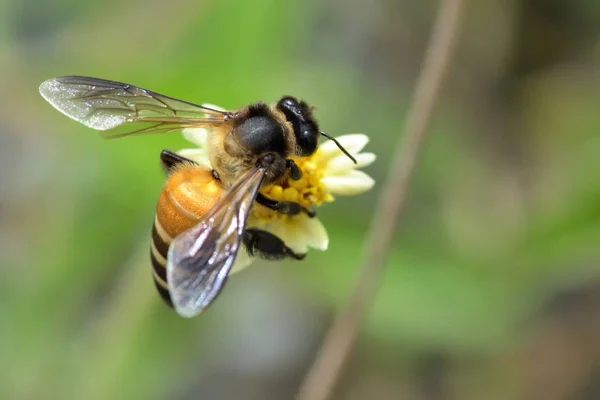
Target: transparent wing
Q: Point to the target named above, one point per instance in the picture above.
(102, 105)
(200, 259)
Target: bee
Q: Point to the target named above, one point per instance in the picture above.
(193, 191)
(202, 214)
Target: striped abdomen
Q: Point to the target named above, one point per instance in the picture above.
(190, 192)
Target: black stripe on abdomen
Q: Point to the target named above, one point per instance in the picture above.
(164, 293)
(159, 267)
(159, 242)
(158, 255)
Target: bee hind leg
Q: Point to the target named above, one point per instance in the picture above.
(284, 207)
(264, 244)
(170, 160)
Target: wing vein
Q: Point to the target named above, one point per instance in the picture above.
(201, 258)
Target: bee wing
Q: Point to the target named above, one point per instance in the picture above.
(102, 105)
(200, 259)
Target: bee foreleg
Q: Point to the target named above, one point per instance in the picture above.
(295, 172)
(284, 207)
(268, 246)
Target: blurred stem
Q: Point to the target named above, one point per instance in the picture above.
(338, 343)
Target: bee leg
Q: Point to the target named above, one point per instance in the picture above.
(284, 207)
(169, 160)
(264, 244)
(295, 172)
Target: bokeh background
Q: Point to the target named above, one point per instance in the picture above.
(493, 287)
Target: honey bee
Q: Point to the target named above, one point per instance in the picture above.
(202, 214)
(191, 192)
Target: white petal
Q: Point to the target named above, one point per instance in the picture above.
(353, 143)
(315, 233)
(242, 260)
(198, 155)
(300, 233)
(198, 136)
(353, 183)
(293, 238)
(342, 164)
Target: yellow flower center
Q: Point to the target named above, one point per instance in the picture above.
(308, 191)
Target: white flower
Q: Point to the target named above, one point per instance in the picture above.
(242, 260)
(326, 173)
(341, 175)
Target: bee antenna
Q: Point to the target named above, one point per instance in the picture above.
(328, 136)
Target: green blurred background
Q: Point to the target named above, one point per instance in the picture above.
(493, 287)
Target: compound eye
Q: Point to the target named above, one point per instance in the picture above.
(288, 103)
(308, 140)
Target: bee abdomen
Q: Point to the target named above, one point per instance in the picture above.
(159, 250)
(189, 194)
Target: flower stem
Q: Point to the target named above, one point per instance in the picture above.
(336, 347)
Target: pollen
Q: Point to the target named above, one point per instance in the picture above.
(308, 191)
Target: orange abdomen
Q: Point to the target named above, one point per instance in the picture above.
(189, 194)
